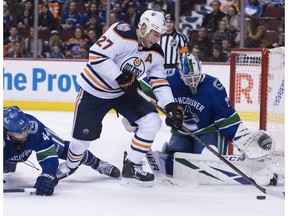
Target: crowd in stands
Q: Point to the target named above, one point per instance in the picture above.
(68, 28)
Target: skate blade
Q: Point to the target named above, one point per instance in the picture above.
(136, 183)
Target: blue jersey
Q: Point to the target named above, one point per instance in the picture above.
(206, 111)
(40, 140)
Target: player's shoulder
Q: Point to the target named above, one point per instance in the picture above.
(213, 82)
(155, 48)
(125, 30)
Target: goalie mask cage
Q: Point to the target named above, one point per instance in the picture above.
(257, 94)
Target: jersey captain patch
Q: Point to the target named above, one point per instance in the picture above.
(135, 65)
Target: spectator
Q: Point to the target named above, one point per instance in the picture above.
(71, 18)
(7, 21)
(132, 16)
(232, 19)
(53, 7)
(221, 33)
(93, 24)
(144, 7)
(14, 37)
(217, 54)
(92, 37)
(253, 8)
(25, 18)
(54, 40)
(113, 19)
(226, 47)
(84, 49)
(16, 51)
(73, 47)
(29, 45)
(257, 35)
(203, 42)
(92, 11)
(102, 11)
(281, 40)
(212, 19)
(125, 3)
(158, 5)
(56, 53)
(186, 6)
(117, 11)
(196, 51)
(46, 19)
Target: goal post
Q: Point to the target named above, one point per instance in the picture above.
(257, 78)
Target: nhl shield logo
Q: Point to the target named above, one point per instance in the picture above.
(123, 27)
(173, 43)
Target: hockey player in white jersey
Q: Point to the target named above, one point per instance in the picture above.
(109, 81)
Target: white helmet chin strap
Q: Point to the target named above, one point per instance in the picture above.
(142, 36)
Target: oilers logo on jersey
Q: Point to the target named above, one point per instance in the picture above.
(135, 65)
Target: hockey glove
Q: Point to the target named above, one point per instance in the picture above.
(45, 184)
(255, 145)
(176, 111)
(9, 167)
(128, 82)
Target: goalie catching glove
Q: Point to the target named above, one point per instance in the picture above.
(176, 113)
(255, 145)
(128, 82)
(45, 184)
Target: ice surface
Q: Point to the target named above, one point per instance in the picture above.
(89, 193)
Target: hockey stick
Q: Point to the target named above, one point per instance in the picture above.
(279, 194)
(31, 191)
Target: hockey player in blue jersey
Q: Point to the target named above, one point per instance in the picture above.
(23, 134)
(208, 114)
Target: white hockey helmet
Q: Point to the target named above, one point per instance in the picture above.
(154, 20)
(190, 71)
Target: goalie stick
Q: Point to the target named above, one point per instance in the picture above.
(279, 194)
(30, 191)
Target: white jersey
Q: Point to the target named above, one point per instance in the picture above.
(118, 50)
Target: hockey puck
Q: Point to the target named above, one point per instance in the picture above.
(261, 197)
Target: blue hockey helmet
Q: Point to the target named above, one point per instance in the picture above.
(16, 123)
(190, 71)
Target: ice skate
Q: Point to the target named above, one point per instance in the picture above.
(106, 168)
(63, 171)
(133, 174)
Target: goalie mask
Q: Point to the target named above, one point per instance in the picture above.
(16, 123)
(190, 71)
(154, 20)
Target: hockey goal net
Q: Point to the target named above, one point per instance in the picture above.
(257, 94)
